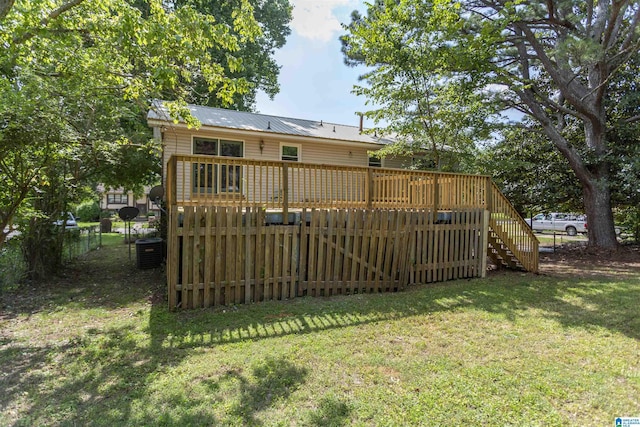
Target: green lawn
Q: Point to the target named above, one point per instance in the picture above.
(547, 239)
(99, 347)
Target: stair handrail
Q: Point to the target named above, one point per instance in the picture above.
(513, 230)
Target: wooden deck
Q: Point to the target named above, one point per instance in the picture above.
(341, 230)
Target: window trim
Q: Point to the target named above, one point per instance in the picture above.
(217, 139)
(290, 144)
(215, 171)
(114, 202)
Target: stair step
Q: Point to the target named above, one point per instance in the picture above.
(501, 254)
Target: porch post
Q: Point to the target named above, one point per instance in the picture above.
(171, 183)
(484, 242)
(488, 194)
(285, 193)
(173, 255)
(488, 200)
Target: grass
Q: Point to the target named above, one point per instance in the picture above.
(99, 347)
(560, 238)
(13, 267)
(84, 224)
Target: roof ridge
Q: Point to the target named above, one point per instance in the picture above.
(260, 122)
(270, 115)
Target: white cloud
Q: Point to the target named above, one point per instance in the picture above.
(315, 19)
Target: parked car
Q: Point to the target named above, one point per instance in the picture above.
(70, 223)
(556, 221)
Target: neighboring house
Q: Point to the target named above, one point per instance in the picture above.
(115, 199)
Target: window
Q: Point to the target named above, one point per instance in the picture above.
(217, 178)
(121, 199)
(375, 162)
(205, 146)
(290, 153)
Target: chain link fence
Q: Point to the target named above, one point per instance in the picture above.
(80, 241)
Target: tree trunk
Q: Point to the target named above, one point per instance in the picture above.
(597, 203)
(593, 177)
(596, 188)
(5, 7)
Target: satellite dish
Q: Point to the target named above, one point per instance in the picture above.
(128, 213)
(156, 194)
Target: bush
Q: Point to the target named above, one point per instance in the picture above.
(88, 211)
(12, 265)
(629, 219)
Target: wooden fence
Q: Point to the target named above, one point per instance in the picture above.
(227, 255)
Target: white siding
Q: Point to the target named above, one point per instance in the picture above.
(179, 141)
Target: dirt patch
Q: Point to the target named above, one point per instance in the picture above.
(584, 261)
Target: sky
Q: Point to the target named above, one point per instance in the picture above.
(315, 83)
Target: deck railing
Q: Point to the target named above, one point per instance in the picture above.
(514, 232)
(283, 186)
(227, 181)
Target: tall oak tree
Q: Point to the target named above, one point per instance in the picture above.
(552, 60)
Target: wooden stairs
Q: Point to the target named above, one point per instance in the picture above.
(511, 243)
(500, 253)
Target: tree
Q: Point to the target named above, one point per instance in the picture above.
(552, 60)
(534, 176)
(259, 67)
(531, 173)
(439, 118)
(77, 77)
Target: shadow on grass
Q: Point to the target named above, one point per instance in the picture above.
(274, 379)
(109, 379)
(331, 412)
(111, 372)
(584, 303)
(107, 375)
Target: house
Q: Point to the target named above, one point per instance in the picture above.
(264, 207)
(114, 199)
(245, 135)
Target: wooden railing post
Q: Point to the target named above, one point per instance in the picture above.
(484, 243)
(285, 193)
(173, 254)
(488, 194)
(436, 196)
(171, 184)
(369, 188)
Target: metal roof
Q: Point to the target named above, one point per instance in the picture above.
(231, 119)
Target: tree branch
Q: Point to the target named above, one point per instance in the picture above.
(573, 157)
(572, 90)
(631, 31)
(5, 8)
(611, 31)
(632, 119)
(47, 19)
